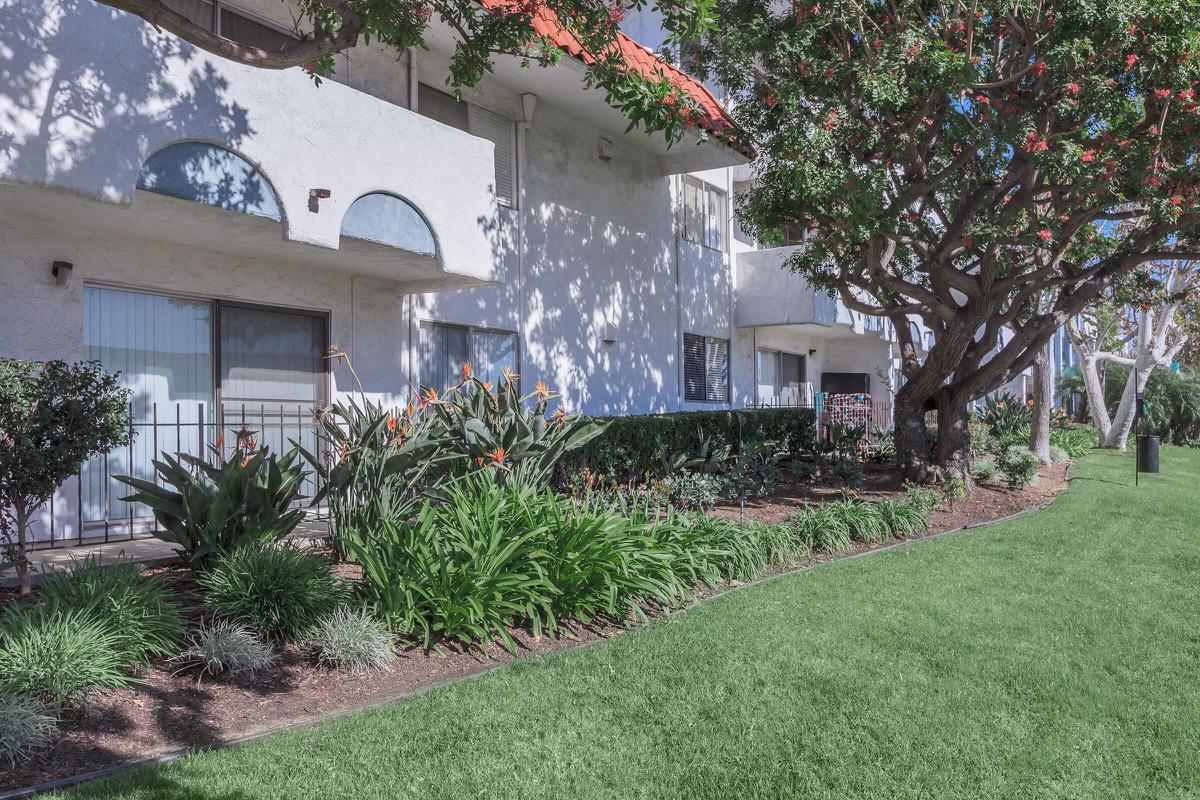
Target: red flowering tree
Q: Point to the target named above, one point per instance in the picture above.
(481, 30)
(967, 163)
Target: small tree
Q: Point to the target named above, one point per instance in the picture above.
(1142, 323)
(967, 163)
(53, 417)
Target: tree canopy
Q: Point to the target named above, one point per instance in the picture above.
(481, 31)
(987, 166)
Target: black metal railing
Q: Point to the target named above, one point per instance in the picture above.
(89, 509)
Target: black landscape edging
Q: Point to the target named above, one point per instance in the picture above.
(166, 758)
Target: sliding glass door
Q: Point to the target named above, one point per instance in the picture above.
(197, 369)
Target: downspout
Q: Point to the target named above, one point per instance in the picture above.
(410, 345)
(729, 265)
(528, 103)
(676, 229)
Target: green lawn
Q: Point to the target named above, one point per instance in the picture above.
(1057, 655)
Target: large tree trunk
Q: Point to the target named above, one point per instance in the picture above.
(1093, 386)
(912, 444)
(954, 436)
(1043, 398)
(1118, 436)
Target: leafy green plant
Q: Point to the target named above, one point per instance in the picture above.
(1006, 416)
(26, 725)
(822, 528)
(692, 490)
(279, 591)
(223, 646)
(986, 468)
(925, 499)
(352, 639)
(901, 518)
(862, 520)
(1075, 440)
(59, 655)
(1058, 455)
(1018, 466)
(53, 418)
(141, 610)
(953, 488)
(460, 570)
(206, 509)
(780, 545)
(846, 472)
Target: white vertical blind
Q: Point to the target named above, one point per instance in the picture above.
(717, 364)
(162, 348)
(501, 132)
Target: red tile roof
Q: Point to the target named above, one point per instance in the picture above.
(713, 117)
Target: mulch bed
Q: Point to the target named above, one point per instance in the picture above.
(987, 501)
(172, 711)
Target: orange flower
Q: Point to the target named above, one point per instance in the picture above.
(559, 416)
(245, 461)
(509, 375)
(428, 397)
(467, 370)
(542, 391)
(410, 409)
(479, 461)
(249, 442)
(392, 422)
(404, 431)
(487, 387)
(497, 456)
(220, 442)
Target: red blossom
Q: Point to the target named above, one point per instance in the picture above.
(1088, 156)
(1039, 68)
(1162, 94)
(1130, 60)
(1074, 88)
(1044, 235)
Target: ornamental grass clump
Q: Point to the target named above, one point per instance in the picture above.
(901, 518)
(222, 646)
(352, 639)
(139, 609)
(279, 591)
(59, 655)
(823, 529)
(26, 724)
(862, 520)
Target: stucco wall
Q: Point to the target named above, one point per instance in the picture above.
(88, 92)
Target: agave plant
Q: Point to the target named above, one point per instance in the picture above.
(205, 509)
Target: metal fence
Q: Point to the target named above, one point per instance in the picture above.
(90, 509)
(873, 416)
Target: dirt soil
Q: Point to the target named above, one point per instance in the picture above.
(987, 501)
(173, 711)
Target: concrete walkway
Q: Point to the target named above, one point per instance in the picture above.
(148, 551)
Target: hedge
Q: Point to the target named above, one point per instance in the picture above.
(628, 449)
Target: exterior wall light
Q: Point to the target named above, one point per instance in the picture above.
(61, 270)
(314, 198)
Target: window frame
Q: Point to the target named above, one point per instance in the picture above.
(778, 355)
(711, 221)
(471, 330)
(707, 340)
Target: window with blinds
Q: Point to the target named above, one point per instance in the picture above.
(445, 348)
(705, 369)
(703, 213)
(221, 19)
(477, 121)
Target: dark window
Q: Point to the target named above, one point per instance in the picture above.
(705, 369)
(443, 107)
(222, 20)
(846, 382)
(480, 122)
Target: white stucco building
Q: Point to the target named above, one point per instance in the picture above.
(210, 229)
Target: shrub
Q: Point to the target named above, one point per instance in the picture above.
(207, 509)
(224, 646)
(280, 592)
(25, 725)
(352, 639)
(461, 570)
(985, 468)
(691, 490)
(734, 549)
(1019, 466)
(139, 609)
(821, 528)
(1058, 455)
(1005, 416)
(925, 499)
(901, 518)
(847, 472)
(59, 655)
(630, 447)
(1075, 441)
(1172, 402)
(862, 520)
(53, 418)
(953, 488)
(780, 545)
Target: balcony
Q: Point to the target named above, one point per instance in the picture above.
(91, 94)
(768, 295)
